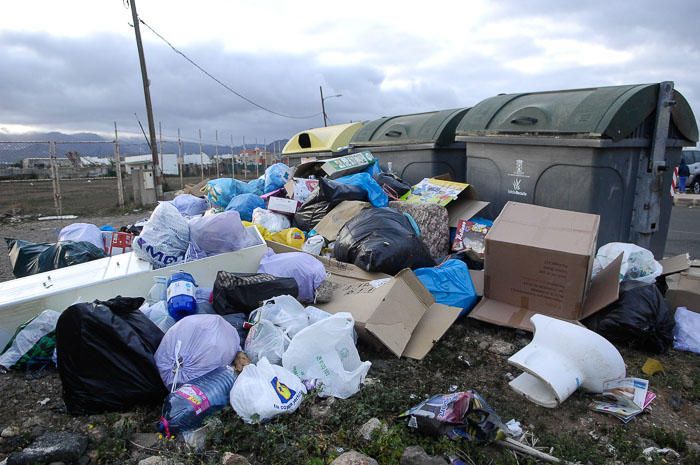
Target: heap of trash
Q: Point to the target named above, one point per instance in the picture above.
(255, 294)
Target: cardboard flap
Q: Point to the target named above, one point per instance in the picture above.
(605, 289)
(434, 324)
(502, 314)
(672, 265)
(330, 225)
(464, 210)
(478, 281)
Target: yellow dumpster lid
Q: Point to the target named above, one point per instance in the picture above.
(326, 139)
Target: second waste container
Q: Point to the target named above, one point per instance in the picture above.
(319, 143)
(606, 150)
(415, 146)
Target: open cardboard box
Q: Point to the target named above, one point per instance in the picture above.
(539, 260)
(394, 312)
(460, 199)
(683, 280)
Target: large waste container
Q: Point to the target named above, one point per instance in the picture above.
(320, 143)
(605, 150)
(418, 146)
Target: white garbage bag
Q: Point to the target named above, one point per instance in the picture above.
(325, 351)
(194, 346)
(314, 245)
(283, 311)
(263, 391)
(158, 314)
(164, 238)
(273, 222)
(265, 340)
(686, 333)
(43, 325)
(83, 232)
(316, 314)
(638, 263)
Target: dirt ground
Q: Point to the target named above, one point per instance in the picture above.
(471, 355)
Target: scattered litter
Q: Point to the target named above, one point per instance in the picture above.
(625, 398)
(60, 217)
(44, 401)
(652, 366)
(651, 451)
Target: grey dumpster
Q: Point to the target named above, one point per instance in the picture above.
(418, 146)
(605, 150)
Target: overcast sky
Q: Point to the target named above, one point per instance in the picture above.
(73, 66)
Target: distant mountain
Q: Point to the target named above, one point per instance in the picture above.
(14, 147)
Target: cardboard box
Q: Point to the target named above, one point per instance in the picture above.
(282, 205)
(335, 167)
(683, 280)
(397, 312)
(539, 260)
(330, 225)
(460, 199)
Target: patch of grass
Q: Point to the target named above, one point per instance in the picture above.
(673, 439)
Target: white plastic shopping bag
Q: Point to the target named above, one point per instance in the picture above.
(326, 352)
(263, 391)
(638, 263)
(283, 311)
(265, 340)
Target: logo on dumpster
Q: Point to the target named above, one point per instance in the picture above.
(519, 168)
(516, 188)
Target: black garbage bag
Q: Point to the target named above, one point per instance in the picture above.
(105, 356)
(335, 192)
(640, 318)
(381, 239)
(312, 211)
(393, 185)
(244, 292)
(28, 258)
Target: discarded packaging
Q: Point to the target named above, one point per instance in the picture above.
(458, 415)
(458, 198)
(561, 358)
(638, 263)
(626, 398)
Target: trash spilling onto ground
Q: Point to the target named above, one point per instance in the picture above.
(283, 295)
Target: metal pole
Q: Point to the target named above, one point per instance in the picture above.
(233, 160)
(323, 108)
(118, 165)
(201, 157)
(180, 159)
(147, 97)
(160, 137)
(58, 202)
(216, 149)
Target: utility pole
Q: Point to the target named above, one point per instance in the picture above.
(147, 97)
(233, 160)
(216, 149)
(201, 156)
(180, 159)
(118, 165)
(323, 107)
(160, 145)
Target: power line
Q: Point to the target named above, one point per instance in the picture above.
(238, 94)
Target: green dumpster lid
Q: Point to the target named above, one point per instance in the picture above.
(436, 127)
(602, 112)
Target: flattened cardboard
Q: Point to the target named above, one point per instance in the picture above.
(434, 324)
(684, 290)
(478, 281)
(347, 164)
(330, 225)
(281, 205)
(672, 265)
(399, 313)
(463, 207)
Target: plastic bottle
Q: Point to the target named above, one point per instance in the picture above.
(181, 295)
(186, 408)
(159, 290)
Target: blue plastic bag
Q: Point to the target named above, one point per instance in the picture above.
(276, 176)
(257, 186)
(373, 169)
(450, 284)
(220, 191)
(244, 204)
(375, 193)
